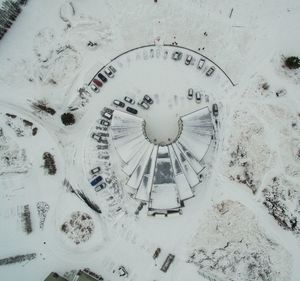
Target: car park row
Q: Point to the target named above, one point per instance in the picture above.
(177, 55)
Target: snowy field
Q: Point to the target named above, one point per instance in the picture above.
(242, 217)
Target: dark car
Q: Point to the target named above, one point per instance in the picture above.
(131, 110)
(96, 180)
(215, 110)
(97, 82)
(119, 103)
(148, 99)
(102, 77)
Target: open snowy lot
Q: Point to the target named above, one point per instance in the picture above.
(219, 191)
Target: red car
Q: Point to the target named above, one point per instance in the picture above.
(97, 82)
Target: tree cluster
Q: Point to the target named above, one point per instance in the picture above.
(292, 62)
(17, 259)
(42, 106)
(68, 118)
(8, 13)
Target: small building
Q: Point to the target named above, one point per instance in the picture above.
(87, 275)
(53, 276)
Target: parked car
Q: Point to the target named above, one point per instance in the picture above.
(131, 110)
(176, 55)
(97, 82)
(201, 63)
(198, 97)
(107, 109)
(143, 105)
(108, 72)
(103, 134)
(94, 88)
(102, 77)
(95, 171)
(103, 140)
(122, 271)
(102, 147)
(100, 186)
(96, 180)
(188, 59)
(210, 71)
(119, 103)
(215, 110)
(104, 123)
(107, 115)
(129, 100)
(148, 99)
(190, 93)
(113, 70)
(95, 136)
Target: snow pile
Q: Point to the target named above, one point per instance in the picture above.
(230, 245)
(42, 210)
(79, 228)
(248, 150)
(55, 61)
(13, 158)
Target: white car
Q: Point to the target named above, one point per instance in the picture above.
(108, 72)
(198, 97)
(201, 63)
(107, 115)
(144, 105)
(94, 88)
(112, 69)
(190, 93)
(188, 59)
(210, 71)
(129, 100)
(119, 103)
(176, 55)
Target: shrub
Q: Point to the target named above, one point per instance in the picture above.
(49, 163)
(292, 62)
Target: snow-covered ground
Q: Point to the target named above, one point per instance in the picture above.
(242, 223)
